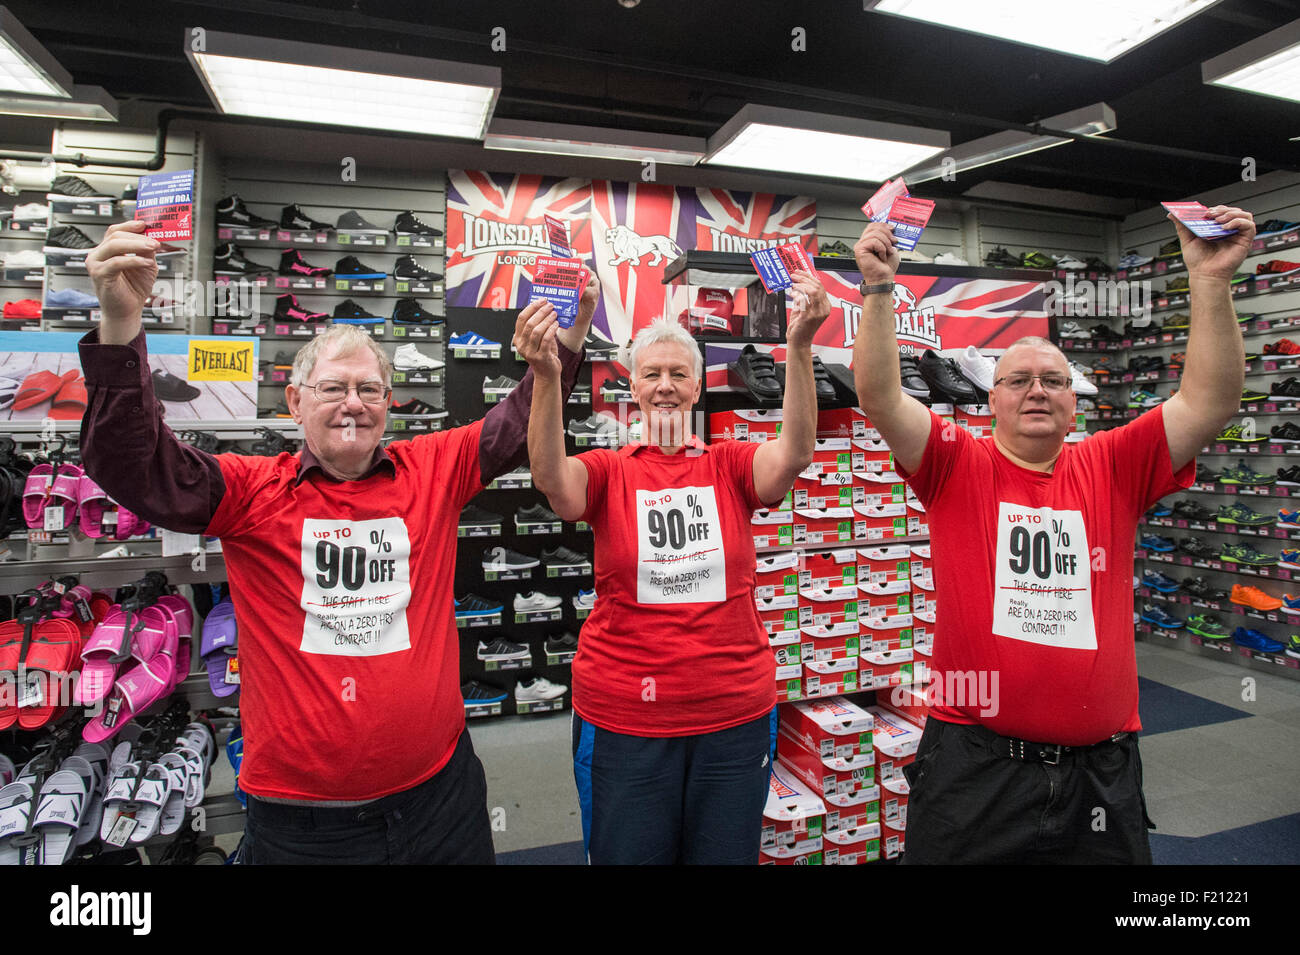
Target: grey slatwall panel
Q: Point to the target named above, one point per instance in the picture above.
(1020, 231)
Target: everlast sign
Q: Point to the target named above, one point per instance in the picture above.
(203, 362)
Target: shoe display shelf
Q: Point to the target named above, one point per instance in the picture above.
(25, 282)
(1271, 531)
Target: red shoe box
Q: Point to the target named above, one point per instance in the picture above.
(856, 846)
(977, 419)
(922, 567)
(879, 630)
(777, 575)
(893, 801)
(895, 741)
(828, 777)
(790, 689)
(848, 811)
(830, 490)
(811, 854)
(892, 842)
(923, 666)
(880, 523)
(839, 641)
(830, 568)
(912, 703)
(772, 528)
(844, 423)
(879, 670)
(825, 608)
(818, 528)
(891, 598)
(793, 815)
(778, 613)
(833, 727)
(787, 649)
(886, 564)
(830, 677)
(745, 424)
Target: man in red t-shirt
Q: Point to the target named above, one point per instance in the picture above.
(1030, 754)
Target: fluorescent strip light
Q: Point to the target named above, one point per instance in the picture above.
(1268, 65)
(1097, 29)
(816, 144)
(90, 103)
(25, 65)
(1090, 121)
(594, 142)
(334, 86)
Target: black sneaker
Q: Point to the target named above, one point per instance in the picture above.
(822, 382)
(472, 605)
(1286, 433)
(564, 557)
(597, 346)
(593, 425)
(1000, 258)
(1196, 547)
(74, 187)
(409, 224)
(348, 312)
(229, 259)
(1200, 587)
(1205, 476)
(1287, 388)
(614, 388)
(1192, 511)
(503, 559)
(167, 387)
(913, 384)
(947, 383)
(287, 309)
(537, 514)
(293, 218)
(68, 239)
(757, 370)
(561, 643)
(231, 213)
(1289, 477)
(499, 648)
(415, 408)
(409, 270)
(292, 263)
(475, 693)
(349, 267)
(408, 311)
(351, 221)
(473, 516)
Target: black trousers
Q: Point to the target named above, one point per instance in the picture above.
(969, 805)
(442, 821)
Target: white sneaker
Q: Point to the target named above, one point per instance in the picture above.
(27, 259)
(538, 689)
(1068, 261)
(949, 258)
(527, 603)
(978, 368)
(585, 599)
(409, 358)
(1072, 330)
(31, 212)
(1079, 381)
(914, 256)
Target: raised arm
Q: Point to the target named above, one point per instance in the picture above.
(561, 478)
(902, 421)
(777, 463)
(1209, 393)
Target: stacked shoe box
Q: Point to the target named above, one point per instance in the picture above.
(828, 620)
(924, 608)
(977, 419)
(776, 595)
(895, 741)
(793, 821)
(828, 745)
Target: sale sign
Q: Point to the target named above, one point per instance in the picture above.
(560, 282)
(1193, 215)
(165, 203)
(774, 265)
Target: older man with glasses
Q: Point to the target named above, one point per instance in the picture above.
(341, 561)
(1030, 753)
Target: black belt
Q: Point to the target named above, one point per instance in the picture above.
(1050, 753)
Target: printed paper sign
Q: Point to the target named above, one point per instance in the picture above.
(877, 207)
(356, 586)
(220, 361)
(908, 215)
(557, 233)
(165, 203)
(560, 282)
(774, 265)
(1043, 591)
(1193, 215)
(680, 554)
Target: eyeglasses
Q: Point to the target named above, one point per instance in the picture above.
(330, 391)
(1050, 381)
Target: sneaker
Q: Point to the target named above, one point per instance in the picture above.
(295, 220)
(1207, 625)
(23, 308)
(232, 213)
(1079, 381)
(943, 258)
(1159, 582)
(947, 384)
(473, 605)
(74, 187)
(1293, 646)
(1237, 433)
(1238, 513)
(1200, 587)
(1131, 260)
(836, 249)
(349, 267)
(1283, 346)
(475, 516)
(409, 224)
(538, 690)
(1157, 616)
(1277, 267)
(67, 239)
(1177, 286)
(595, 425)
(1289, 558)
(415, 408)
(1289, 477)
(615, 389)
(910, 373)
(287, 309)
(351, 221)
(1141, 398)
(1253, 597)
(561, 643)
(1195, 547)
(1153, 542)
(585, 599)
(1160, 509)
(406, 269)
(1104, 333)
(1255, 640)
(978, 369)
(475, 693)
(1242, 473)
(25, 260)
(500, 385)
(1086, 404)
(1253, 394)
(30, 212)
(500, 649)
(536, 514)
(1275, 226)
(70, 298)
(1037, 260)
(1177, 322)
(1245, 554)
(471, 340)
(1288, 518)
(1170, 249)
(563, 557)
(292, 263)
(598, 347)
(1177, 360)
(1000, 258)
(1067, 262)
(408, 311)
(534, 601)
(229, 259)
(409, 358)
(1072, 330)
(1206, 476)
(1192, 511)
(1285, 433)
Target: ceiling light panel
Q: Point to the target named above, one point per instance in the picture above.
(25, 65)
(1268, 65)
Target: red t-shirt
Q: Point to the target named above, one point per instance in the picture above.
(675, 646)
(1033, 579)
(348, 648)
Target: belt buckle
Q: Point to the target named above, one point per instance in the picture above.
(1051, 753)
